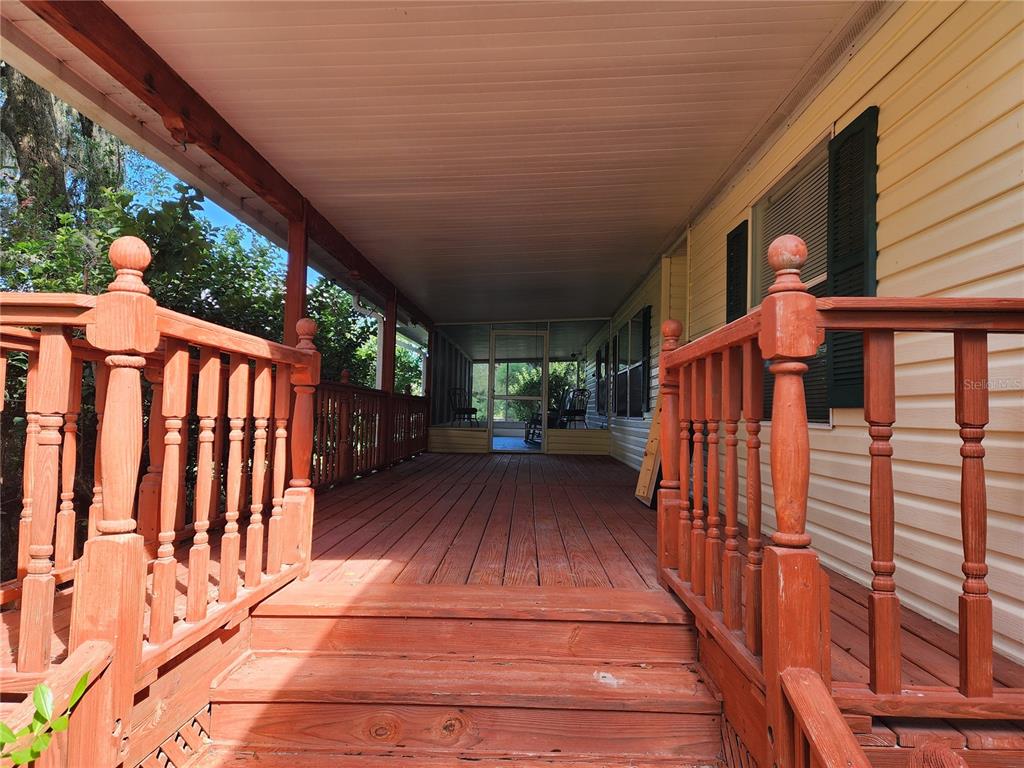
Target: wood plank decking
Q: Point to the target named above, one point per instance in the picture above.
(555, 522)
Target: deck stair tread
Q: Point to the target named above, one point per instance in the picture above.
(229, 758)
(343, 678)
(309, 598)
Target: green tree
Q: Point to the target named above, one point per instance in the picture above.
(341, 335)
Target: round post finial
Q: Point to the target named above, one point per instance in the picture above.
(345, 376)
(305, 328)
(130, 257)
(671, 330)
(786, 256)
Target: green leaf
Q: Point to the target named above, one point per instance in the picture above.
(6, 734)
(42, 697)
(23, 732)
(80, 687)
(22, 757)
(41, 742)
(60, 724)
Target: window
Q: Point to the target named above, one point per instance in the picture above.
(736, 273)
(631, 350)
(829, 201)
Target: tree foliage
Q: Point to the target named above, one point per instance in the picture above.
(70, 188)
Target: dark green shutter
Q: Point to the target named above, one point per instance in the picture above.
(736, 273)
(645, 381)
(852, 249)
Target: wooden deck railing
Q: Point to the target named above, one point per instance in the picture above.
(230, 428)
(768, 609)
(358, 430)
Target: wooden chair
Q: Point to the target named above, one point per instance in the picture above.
(462, 408)
(575, 410)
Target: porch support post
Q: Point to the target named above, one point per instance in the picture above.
(387, 359)
(295, 280)
(795, 588)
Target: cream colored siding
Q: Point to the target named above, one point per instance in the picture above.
(457, 440)
(579, 441)
(949, 82)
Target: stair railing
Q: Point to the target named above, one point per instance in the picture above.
(769, 610)
(248, 401)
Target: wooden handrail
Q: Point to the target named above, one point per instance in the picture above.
(91, 658)
(201, 332)
(784, 583)
(937, 315)
(243, 408)
(821, 728)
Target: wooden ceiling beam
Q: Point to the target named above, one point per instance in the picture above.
(107, 40)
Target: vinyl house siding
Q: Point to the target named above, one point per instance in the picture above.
(949, 82)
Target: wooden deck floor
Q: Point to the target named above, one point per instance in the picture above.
(521, 520)
(513, 520)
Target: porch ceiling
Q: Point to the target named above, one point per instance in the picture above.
(499, 160)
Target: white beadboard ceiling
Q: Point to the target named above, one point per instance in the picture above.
(499, 160)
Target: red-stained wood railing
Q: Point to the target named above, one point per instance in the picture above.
(358, 430)
(226, 384)
(769, 610)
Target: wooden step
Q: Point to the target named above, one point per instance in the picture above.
(474, 709)
(349, 679)
(229, 758)
(471, 732)
(584, 641)
(475, 601)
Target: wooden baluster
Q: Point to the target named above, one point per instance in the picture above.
(29, 463)
(101, 375)
(275, 527)
(64, 553)
(970, 359)
(753, 412)
(207, 409)
(110, 579)
(238, 409)
(795, 590)
(216, 513)
(668, 494)
(244, 490)
(299, 498)
(173, 406)
(149, 488)
(3, 401)
(713, 544)
(883, 605)
(345, 430)
(183, 453)
(732, 567)
(685, 525)
(51, 398)
(697, 535)
(319, 432)
(262, 400)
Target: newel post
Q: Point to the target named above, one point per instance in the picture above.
(668, 493)
(298, 499)
(795, 590)
(111, 576)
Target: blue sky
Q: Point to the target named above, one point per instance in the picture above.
(145, 177)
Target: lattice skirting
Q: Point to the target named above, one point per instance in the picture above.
(736, 753)
(184, 745)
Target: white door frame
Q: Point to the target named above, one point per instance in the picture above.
(543, 388)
